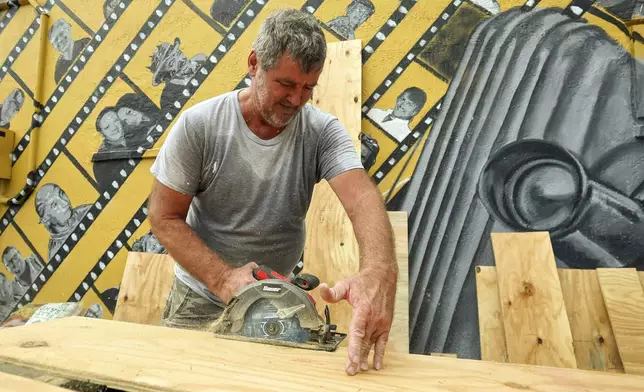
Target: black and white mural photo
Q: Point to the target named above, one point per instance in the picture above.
(60, 37)
(395, 121)
(24, 270)
(357, 12)
(57, 215)
(10, 106)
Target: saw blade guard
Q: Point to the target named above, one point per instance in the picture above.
(272, 299)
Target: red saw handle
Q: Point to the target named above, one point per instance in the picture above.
(305, 282)
(263, 272)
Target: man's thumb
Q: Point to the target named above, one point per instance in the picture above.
(335, 294)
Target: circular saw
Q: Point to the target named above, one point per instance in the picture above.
(276, 310)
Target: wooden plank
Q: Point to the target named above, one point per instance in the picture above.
(399, 334)
(492, 333)
(624, 299)
(641, 274)
(145, 287)
(534, 314)
(137, 357)
(331, 251)
(12, 383)
(592, 334)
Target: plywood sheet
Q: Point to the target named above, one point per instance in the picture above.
(145, 286)
(492, 333)
(536, 324)
(331, 251)
(12, 383)
(137, 357)
(624, 299)
(594, 341)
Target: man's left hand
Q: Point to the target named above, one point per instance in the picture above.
(372, 295)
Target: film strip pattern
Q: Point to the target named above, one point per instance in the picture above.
(393, 21)
(90, 104)
(72, 74)
(139, 216)
(530, 4)
(403, 148)
(310, 6)
(11, 12)
(577, 8)
(21, 44)
(218, 53)
(447, 13)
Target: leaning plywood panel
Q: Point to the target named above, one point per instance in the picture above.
(145, 286)
(137, 357)
(594, 341)
(491, 329)
(534, 314)
(10, 382)
(624, 299)
(331, 251)
(399, 334)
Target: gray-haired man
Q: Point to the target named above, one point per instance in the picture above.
(235, 178)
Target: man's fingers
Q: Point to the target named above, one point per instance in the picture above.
(379, 351)
(335, 294)
(356, 336)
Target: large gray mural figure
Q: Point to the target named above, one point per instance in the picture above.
(539, 130)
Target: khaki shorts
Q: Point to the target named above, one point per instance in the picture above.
(187, 309)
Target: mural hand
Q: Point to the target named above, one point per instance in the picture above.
(372, 297)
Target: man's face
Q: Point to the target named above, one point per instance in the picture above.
(357, 14)
(56, 213)
(176, 62)
(61, 38)
(14, 262)
(283, 90)
(111, 127)
(405, 107)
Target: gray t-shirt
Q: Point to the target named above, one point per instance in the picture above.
(251, 195)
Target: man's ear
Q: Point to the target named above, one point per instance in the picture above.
(253, 63)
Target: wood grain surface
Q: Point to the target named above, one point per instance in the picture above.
(536, 324)
(138, 357)
(492, 333)
(592, 334)
(13, 383)
(624, 299)
(331, 251)
(145, 286)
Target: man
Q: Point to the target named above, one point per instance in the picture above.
(235, 178)
(358, 11)
(57, 215)
(60, 37)
(395, 122)
(10, 293)
(24, 270)
(10, 107)
(170, 65)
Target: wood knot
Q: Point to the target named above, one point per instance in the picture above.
(34, 344)
(341, 243)
(355, 99)
(125, 298)
(539, 341)
(601, 339)
(528, 288)
(515, 385)
(348, 52)
(317, 101)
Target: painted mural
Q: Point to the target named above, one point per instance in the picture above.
(478, 116)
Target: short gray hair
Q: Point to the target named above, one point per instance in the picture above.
(291, 31)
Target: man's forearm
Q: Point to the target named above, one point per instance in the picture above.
(185, 246)
(375, 236)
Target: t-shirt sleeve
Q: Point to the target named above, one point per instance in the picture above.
(179, 162)
(337, 152)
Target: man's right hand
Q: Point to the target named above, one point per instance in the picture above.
(235, 279)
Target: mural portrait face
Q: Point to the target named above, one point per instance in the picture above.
(54, 208)
(169, 62)
(405, 107)
(13, 261)
(131, 116)
(110, 126)
(60, 36)
(359, 11)
(11, 105)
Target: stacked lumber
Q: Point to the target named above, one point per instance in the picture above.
(530, 312)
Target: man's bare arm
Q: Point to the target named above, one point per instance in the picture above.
(167, 213)
(372, 291)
